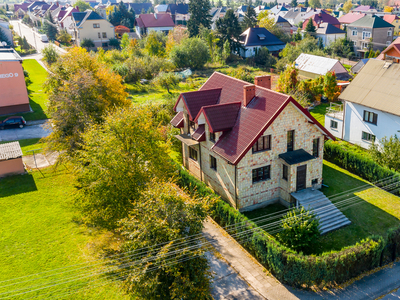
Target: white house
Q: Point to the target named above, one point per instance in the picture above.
(371, 105)
(153, 22)
(255, 38)
(329, 33)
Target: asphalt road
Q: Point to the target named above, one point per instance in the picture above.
(28, 132)
(32, 38)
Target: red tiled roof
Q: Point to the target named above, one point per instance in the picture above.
(149, 20)
(199, 135)
(390, 18)
(177, 121)
(251, 121)
(221, 117)
(350, 18)
(395, 44)
(194, 101)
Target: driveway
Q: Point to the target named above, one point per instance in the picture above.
(32, 38)
(36, 129)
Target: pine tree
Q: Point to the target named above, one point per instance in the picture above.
(228, 29)
(199, 15)
(250, 18)
(306, 3)
(310, 26)
(49, 27)
(25, 45)
(320, 44)
(293, 3)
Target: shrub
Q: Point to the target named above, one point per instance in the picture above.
(87, 43)
(192, 53)
(300, 230)
(50, 54)
(287, 265)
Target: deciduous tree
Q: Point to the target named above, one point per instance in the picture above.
(116, 162)
(192, 52)
(166, 80)
(50, 54)
(315, 3)
(287, 81)
(387, 152)
(159, 221)
(63, 36)
(87, 43)
(82, 5)
(80, 91)
(347, 6)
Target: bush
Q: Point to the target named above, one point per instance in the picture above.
(264, 58)
(300, 230)
(356, 163)
(87, 43)
(192, 53)
(287, 265)
(50, 54)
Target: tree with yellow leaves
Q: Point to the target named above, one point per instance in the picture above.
(388, 9)
(347, 6)
(265, 20)
(80, 91)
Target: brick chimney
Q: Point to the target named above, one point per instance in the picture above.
(263, 81)
(249, 92)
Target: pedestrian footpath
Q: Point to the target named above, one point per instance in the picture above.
(243, 263)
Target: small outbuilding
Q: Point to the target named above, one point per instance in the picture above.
(312, 66)
(11, 159)
(13, 93)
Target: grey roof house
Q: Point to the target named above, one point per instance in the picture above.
(370, 31)
(255, 38)
(329, 33)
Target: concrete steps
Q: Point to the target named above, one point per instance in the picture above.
(330, 218)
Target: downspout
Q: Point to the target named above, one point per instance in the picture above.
(236, 200)
(201, 170)
(344, 118)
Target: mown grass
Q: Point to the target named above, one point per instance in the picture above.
(29, 144)
(371, 210)
(40, 234)
(319, 112)
(37, 96)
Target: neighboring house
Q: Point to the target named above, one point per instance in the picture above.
(278, 10)
(358, 66)
(370, 32)
(22, 8)
(101, 9)
(90, 25)
(217, 13)
(11, 159)
(66, 20)
(371, 105)
(395, 21)
(138, 8)
(364, 8)
(319, 17)
(392, 52)
(295, 15)
(14, 95)
(312, 66)
(252, 145)
(260, 8)
(179, 13)
(254, 38)
(350, 18)
(5, 28)
(242, 9)
(329, 33)
(283, 24)
(161, 8)
(145, 23)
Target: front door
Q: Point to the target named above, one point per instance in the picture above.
(301, 178)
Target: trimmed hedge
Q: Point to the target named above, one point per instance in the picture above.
(355, 163)
(288, 266)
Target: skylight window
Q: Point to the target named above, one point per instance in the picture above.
(261, 36)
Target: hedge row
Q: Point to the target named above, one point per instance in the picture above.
(288, 266)
(355, 163)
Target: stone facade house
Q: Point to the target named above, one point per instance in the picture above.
(252, 145)
(370, 31)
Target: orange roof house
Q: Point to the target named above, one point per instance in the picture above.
(14, 95)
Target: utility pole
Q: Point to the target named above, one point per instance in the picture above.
(19, 25)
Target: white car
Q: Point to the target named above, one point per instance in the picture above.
(44, 38)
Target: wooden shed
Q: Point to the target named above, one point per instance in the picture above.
(11, 159)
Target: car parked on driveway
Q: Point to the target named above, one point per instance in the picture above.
(13, 122)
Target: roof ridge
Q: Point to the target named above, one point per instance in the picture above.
(221, 104)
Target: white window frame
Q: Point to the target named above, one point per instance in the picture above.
(389, 33)
(354, 33)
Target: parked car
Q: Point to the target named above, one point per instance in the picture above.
(13, 122)
(44, 38)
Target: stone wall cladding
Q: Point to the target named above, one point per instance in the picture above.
(249, 194)
(289, 119)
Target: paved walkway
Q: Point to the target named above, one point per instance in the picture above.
(382, 282)
(243, 263)
(40, 160)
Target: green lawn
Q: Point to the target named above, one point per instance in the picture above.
(37, 97)
(29, 144)
(373, 210)
(40, 233)
(319, 112)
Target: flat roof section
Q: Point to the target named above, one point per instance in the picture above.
(7, 54)
(296, 156)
